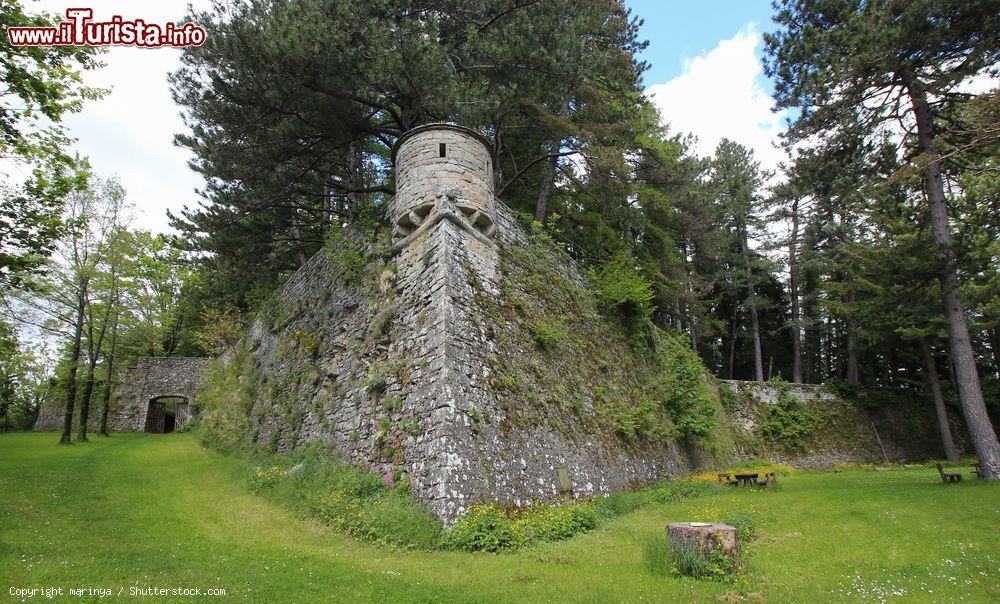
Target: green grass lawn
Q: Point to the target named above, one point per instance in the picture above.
(162, 511)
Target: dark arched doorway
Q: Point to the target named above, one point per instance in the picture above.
(166, 413)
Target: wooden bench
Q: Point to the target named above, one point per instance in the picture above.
(769, 480)
(948, 476)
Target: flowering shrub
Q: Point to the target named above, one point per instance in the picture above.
(261, 478)
(761, 467)
(391, 518)
(745, 525)
(492, 528)
(486, 528)
(373, 506)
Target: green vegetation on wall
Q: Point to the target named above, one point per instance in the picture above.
(583, 351)
(788, 424)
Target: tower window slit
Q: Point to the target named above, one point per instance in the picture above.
(441, 150)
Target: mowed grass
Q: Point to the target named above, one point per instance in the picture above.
(162, 511)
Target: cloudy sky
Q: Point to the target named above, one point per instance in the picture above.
(705, 76)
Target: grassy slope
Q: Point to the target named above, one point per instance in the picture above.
(162, 511)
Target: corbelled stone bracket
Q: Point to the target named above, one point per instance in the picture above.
(447, 206)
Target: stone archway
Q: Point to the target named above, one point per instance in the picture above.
(154, 380)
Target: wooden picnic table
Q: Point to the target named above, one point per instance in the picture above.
(746, 480)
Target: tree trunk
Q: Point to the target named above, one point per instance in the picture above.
(732, 342)
(94, 353)
(88, 391)
(542, 207)
(109, 375)
(995, 332)
(793, 285)
(758, 358)
(851, 374)
(74, 361)
(887, 362)
(981, 432)
(942, 413)
(693, 330)
(355, 177)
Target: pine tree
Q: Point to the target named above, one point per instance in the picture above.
(864, 63)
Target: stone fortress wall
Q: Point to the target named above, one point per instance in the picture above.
(399, 379)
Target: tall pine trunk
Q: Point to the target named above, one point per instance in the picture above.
(542, 207)
(793, 286)
(758, 358)
(995, 333)
(852, 373)
(732, 343)
(984, 438)
(942, 413)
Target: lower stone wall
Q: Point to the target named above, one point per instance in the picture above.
(899, 431)
(148, 379)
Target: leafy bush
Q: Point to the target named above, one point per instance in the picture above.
(681, 387)
(543, 522)
(393, 403)
(547, 333)
(351, 499)
(225, 397)
(745, 525)
(633, 419)
(788, 424)
(347, 256)
(622, 286)
(618, 504)
(842, 388)
(390, 517)
(222, 328)
(492, 528)
(484, 528)
(730, 400)
(262, 478)
(378, 376)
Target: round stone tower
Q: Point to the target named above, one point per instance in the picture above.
(442, 168)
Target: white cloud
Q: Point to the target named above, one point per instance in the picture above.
(129, 133)
(720, 95)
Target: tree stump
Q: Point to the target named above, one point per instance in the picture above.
(705, 537)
